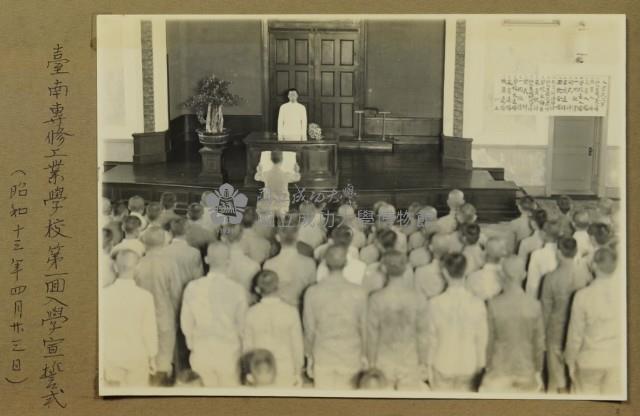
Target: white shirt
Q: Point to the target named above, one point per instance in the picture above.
(107, 275)
(429, 280)
(529, 245)
(457, 332)
(187, 258)
(242, 268)
(543, 261)
(583, 242)
(275, 326)
(292, 122)
(276, 183)
(594, 337)
(295, 272)
(312, 231)
(206, 221)
(129, 325)
(485, 283)
(254, 245)
(475, 257)
(419, 257)
(213, 313)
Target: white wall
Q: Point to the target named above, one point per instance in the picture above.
(518, 142)
(119, 93)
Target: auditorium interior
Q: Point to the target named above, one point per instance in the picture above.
(406, 106)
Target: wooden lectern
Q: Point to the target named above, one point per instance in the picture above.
(318, 159)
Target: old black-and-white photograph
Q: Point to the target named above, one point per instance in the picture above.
(420, 206)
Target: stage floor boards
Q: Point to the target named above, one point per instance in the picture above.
(399, 177)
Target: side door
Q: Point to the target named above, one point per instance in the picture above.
(574, 165)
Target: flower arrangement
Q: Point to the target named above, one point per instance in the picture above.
(315, 132)
(212, 94)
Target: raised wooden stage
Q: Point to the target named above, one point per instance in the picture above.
(399, 177)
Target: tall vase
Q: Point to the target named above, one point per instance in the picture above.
(215, 120)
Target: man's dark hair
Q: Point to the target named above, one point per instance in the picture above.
(539, 216)
(154, 209)
(387, 238)
(249, 217)
(178, 226)
(455, 264)
(168, 200)
(564, 203)
(471, 233)
(600, 232)
(131, 223)
(342, 235)
(605, 259)
(276, 156)
(568, 247)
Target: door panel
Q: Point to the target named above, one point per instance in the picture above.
(574, 160)
(346, 52)
(339, 74)
(326, 84)
(327, 52)
(290, 66)
(327, 116)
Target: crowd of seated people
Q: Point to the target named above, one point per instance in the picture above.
(427, 303)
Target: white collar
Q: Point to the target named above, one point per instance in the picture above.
(125, 281)
(215, 274)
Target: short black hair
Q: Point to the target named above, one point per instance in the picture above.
(568, 247)
(168, 200)
(178, 226)
(154, 209)
(293, 89)
(276, 156)
(342, 234)
(266, 282)
(600, 232)
(552, 229)
(455, 264)
(605, 259)
(249, 217)
(131, 223)
(471, 232)
(387, 238)
(395, 262)
(564, 203)
(195, 211)
(539, 216)
(253, 359)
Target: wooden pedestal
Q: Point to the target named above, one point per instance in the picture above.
(211, 154)
(212, 163)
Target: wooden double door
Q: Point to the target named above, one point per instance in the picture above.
(323, 62)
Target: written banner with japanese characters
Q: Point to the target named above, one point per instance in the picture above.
(585, 95)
